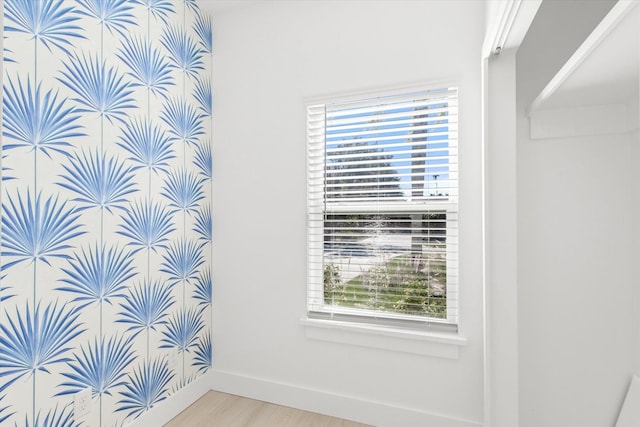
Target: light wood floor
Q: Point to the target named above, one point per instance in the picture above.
(216, 409)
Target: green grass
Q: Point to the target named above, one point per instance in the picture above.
(402, 284)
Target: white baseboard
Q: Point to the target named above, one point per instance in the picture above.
(323, 402)
(176, 403)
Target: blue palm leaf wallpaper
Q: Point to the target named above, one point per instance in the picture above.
(203, 353)
(98, 88)
(203, 27)
(99, 181)
(99, 366)
(182, 330)
(159, 9)
(147, 306)
(182, 260)
(203, 159)
(204, 96)
(35, 340)
(98, 275)
(115, 15)
(184, 52)
(37, 231)
(5, 294)
(106, 227)
(40, 122)
(147, 225)
(184, 190)
(204, 224)
(147, 145)
(148, 385)
(52, 22)
(183, 120)
(203, 289)
(147, 66)
(57, 417)
(4, 411)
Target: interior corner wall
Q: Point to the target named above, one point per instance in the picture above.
(106, 216)
(269, 59)
(575, 247)
(635, 156)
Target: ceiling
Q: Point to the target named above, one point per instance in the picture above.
(217, 7)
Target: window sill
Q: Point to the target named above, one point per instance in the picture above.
(446, 345)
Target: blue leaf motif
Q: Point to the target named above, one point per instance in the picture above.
(182, 382)
(203, 289)
(5, 170)
(184, 53)
(203, 353)
(204, 224)
(4, 295)
(34, 340)
(203, 27)
(184, 190)
(182, 260)
(183, 120)
(191, 4)
(54, 418)
(147, 66)
(148, 145)
(48, 21)
(115, 15)
(146, 306)
(160, 9)
(100, 365)
(4, 410)
(33, 230)
(99, 88)
(5, 52)
(145, 387)
(203, 159)
(147, 225)
(203, 95)
(98, 275)
(98, 181)
(41, 122)
(182, 330)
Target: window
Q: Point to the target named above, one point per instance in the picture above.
(382, 209)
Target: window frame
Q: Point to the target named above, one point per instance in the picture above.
(317, 309)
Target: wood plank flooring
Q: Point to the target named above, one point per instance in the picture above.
(216, 409)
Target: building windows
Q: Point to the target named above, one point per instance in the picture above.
(382, 208)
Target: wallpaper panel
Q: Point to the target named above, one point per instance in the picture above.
(105, 280)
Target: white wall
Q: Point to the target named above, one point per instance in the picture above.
(575, 279)
(575, 247)
(269, 58)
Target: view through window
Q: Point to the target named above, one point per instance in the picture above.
(382, 206)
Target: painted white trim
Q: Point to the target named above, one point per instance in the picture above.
(501, 261)
(486, 368)
(353, 408)
(617, 13)
(382, 91)
(176, 403)
(436, 344)
(497, 36)
(510, 25)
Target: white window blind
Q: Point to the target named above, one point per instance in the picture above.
(383, 208)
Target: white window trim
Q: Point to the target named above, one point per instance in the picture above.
(437, 344)
(402, 339)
